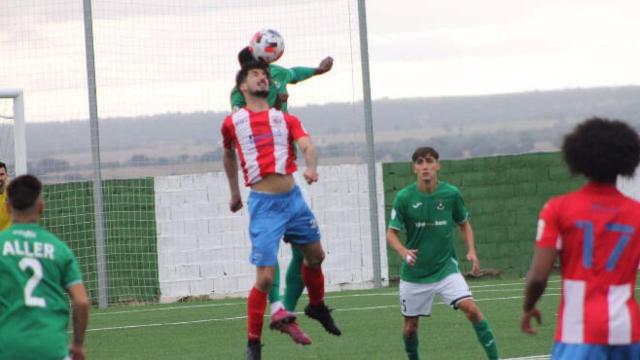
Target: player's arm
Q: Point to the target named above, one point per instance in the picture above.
(310, 158)
(408, 255)
(300, 73)
(230, 163)
(80, 309)
(544, 256)
(469, 241)
(231, 170)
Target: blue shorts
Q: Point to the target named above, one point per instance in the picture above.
(274, 216)
(563, 351)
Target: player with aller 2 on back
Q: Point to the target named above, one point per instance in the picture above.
(268, 46)
(595, 232)
(37, 271)
(428, 210)
(263, 138)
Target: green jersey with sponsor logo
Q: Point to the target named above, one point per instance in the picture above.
(429, 220)
(36, 268)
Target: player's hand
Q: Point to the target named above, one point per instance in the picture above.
(235, 203)
(410, 256)
(76, 352)
(311, 176)
(475, 263)
(325, 65)
(525, 321)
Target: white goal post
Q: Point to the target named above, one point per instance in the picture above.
(19, 133)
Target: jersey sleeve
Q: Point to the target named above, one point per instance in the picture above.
(70, 270)
(237, 99)
(460, 212)
(300, 73)
(398, 212)
(548, 231)
(227, 133)
(295, 127)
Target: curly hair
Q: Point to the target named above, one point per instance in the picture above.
(601, 149)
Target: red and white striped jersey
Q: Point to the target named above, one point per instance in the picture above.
(264, 141)
(597, 232)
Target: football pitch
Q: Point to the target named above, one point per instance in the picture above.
(370, 321)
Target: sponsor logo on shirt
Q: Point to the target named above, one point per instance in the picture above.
(416, 205)
(431, 223)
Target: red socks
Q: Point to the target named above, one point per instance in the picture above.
(314, 281)
(256, 304)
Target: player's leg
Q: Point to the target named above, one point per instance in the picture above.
(279, 315)
(410, 337)
(294, 286)
(455, 291)
(415, 301)
(302, 230)
(266, 228)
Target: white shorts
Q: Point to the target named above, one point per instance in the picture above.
(416, 299)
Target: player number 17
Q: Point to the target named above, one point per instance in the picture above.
(625, 231)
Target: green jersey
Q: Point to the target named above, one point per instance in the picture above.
(428, 220)
(36, 268)
(280, 78)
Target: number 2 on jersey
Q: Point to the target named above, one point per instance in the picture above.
(625, 231)
(34, 280)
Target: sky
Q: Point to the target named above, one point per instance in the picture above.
(158, 56)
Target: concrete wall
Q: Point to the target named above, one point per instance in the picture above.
(203, 248)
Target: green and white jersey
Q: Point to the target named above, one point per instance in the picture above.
(428, 220)
(36, 268)
(280, 78)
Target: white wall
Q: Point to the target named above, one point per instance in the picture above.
(203, 249)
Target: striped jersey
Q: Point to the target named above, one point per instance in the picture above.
(596, 230)
(264, 141)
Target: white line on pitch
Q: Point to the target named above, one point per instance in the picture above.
(241, 303)
(244, 317)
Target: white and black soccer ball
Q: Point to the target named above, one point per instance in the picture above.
(267, 45)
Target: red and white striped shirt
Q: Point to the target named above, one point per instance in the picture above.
(596, 230)
(264, 141)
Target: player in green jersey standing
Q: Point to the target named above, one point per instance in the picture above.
(282, 312)
(37, 269)
(427, 211)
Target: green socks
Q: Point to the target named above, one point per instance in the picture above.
(411, 346)
(295, 285)
(486, 339)
(274, 293)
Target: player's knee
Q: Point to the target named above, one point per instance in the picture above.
(471, 310)
(315, 259)
(410, 328)
(264, 282)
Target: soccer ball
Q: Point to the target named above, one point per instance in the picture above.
(267, 45)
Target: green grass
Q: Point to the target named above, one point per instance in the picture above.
(370, 320)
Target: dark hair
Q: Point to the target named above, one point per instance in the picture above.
(3, 165)
(245, 56)
(23, 192)
(601, 149)
(241, 76)
(424, 151)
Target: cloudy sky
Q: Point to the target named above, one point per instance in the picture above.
(157, 56)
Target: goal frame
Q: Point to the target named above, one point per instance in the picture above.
(19, 133)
